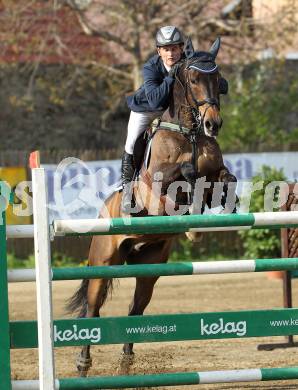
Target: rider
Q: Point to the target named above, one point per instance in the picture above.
(151, 99)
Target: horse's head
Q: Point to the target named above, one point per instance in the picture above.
(202, 84)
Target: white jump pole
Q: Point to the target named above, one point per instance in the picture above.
(20, 231)
(43, 280)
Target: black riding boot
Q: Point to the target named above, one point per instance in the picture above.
(127, 173)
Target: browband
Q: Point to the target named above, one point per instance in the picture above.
(196, 67)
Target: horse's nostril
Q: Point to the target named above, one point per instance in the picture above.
(208, 125)
(215, 127)
(212, 127)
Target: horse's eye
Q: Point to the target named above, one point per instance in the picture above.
(194, 81)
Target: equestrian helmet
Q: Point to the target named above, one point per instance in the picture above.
(168, 35)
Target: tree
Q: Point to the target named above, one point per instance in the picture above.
(106, 43)
(276, 26)
(129, 26)
(261, 115)
(263, 243)
(36, 32)
(47, 74)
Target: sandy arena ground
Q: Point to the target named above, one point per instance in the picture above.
(179, 294)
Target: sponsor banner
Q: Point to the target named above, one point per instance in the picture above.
(77, 189)
(159, 328)
(246, 165)
(16, 213)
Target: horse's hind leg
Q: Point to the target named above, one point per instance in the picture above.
(103, 252)
(141, 299)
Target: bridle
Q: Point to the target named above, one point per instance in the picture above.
(194, 106)
(211, 101)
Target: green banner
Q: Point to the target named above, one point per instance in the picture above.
(159, 328)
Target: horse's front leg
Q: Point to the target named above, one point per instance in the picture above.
(190, 174)
(229, 199)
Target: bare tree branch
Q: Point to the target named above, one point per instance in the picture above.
(79, 5)
(170, 15)
(106, 35)
(113, 70)
(223, 25)
(108, 113)
(196, 11)
(131, 11)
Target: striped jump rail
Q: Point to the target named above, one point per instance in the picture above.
(20, 231)
(194, 223)
(26, 231)
(143, 270)
(168, 379)
(174, 224)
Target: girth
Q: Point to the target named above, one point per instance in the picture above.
(190, 134)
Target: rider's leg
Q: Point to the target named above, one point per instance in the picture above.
(137, 124)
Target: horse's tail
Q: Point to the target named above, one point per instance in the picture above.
(78, 303)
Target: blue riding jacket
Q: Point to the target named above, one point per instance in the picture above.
(154, 94)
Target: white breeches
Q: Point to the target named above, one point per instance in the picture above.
(137, 124)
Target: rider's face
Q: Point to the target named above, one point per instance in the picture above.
(170, 54)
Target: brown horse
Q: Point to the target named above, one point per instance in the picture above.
(183, 150)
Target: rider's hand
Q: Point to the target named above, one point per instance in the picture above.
(173, 71)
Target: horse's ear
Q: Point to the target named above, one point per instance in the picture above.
(188, 48)
(215, 47)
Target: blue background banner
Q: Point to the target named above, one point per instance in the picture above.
(77, 189)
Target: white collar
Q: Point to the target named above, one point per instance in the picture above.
(168, 68)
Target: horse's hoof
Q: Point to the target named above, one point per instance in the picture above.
(127, 353)
(229, 178)
(82, 373)
(125, 362)
(127, 349)
(83, 365)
